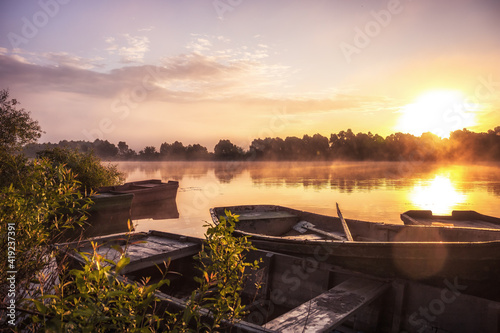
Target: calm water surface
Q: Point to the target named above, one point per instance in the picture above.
(373, 191)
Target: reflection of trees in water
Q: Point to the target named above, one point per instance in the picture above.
(226, 171)
(495, 189)
(346, 177)
(166, 170)
(481, 176)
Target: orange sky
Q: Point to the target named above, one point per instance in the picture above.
(198, 71)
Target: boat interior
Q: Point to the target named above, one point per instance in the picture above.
(287, 223)
(459, 218)
(313, 292)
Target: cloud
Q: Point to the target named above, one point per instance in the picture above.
(132, 52)
(199, 45)
(147, 29)
(185, 78)
(66, 59)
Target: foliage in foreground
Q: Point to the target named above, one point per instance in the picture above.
(223, 272)
(35, 213)
(96, 299)
(87, 166)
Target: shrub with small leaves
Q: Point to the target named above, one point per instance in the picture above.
(97, 299)
(87, 166)
(37, 211)
(223, 268)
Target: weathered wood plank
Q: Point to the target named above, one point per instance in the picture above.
(399, 291)
(330, 309)
(493, 317)
(163, 240)
(265, 215)
(146, 251)
(161, 257)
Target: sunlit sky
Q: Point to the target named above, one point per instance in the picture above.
(148, 72)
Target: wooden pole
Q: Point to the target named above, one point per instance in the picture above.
(344, 225)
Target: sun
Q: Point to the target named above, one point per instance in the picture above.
(437, 111)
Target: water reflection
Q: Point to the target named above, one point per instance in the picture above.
(343, 176)
(438, 195)
(372, 191)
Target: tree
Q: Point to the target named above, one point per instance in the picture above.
(196, 152)
(124, 151)
(174, 151)
(16, 130)
(105, 148)
(293, 148)
(16, 126)
(317, 146)
(149, 153)
(226, 150)
(88, 169)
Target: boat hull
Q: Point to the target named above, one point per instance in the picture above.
(475, 263)
(152, 198)
(296, 293)
(109, 214)
(458, 218)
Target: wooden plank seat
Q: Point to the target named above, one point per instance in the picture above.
(266, 215)
(328, 310)
(146, 252)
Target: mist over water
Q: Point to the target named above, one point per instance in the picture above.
(372, 191)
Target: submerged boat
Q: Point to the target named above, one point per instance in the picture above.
(298, 294)
(152, 198)
(458, 218)
(424, 253)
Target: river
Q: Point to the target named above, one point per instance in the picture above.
(373, 191)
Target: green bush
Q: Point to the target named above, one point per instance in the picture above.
(13, 169)
(87, 167)
(96, 299)
(224, 269)
(34, 214)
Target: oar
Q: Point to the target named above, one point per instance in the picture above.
(344, 225)
(303, 226)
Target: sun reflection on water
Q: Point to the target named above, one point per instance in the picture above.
(438, 195)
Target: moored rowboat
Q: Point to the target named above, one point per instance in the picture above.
(458, 218)
(425, 253)
(152, 198)
(300, 294)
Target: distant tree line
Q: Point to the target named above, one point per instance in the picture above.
(344, 145)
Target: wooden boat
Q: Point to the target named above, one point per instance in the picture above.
(152, 198)
(426, 253)
(300, 294)
(110, 213)
(458, 218)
